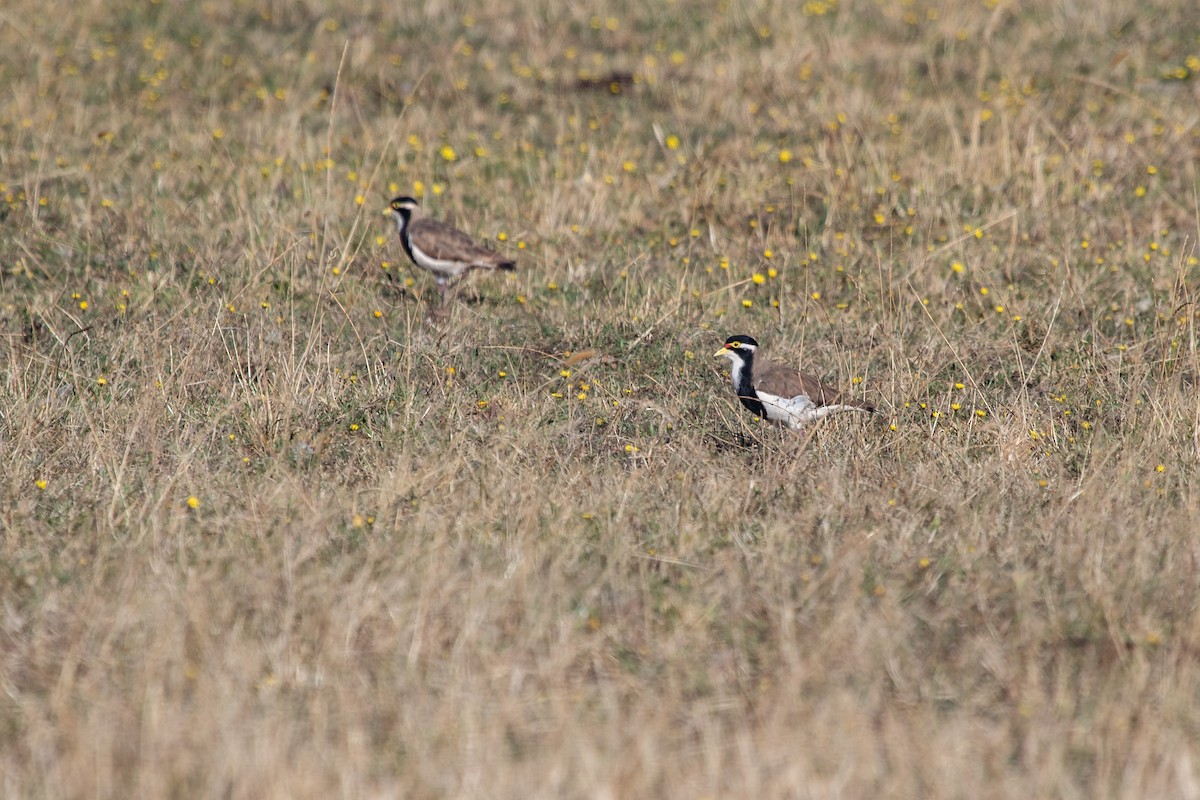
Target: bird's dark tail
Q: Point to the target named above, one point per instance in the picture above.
(507, 266)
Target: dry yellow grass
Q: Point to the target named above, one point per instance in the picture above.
(272, 528)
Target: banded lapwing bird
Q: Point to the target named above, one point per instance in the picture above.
(440, 248)
(779, 393)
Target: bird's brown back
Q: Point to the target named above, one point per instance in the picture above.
(445, 243)
(783, 381)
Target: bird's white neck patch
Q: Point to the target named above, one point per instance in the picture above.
(738, 366)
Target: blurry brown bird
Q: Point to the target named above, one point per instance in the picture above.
(441, 248)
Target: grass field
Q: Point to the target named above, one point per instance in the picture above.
(277, 525)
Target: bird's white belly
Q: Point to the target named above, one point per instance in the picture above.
(449, 269)
(794, 412)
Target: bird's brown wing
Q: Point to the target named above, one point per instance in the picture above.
(445, 243)
(783, 381)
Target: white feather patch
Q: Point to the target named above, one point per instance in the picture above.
(796, 412)
(440, 267)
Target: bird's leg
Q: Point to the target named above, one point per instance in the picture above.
(442, 286)
(457, 279)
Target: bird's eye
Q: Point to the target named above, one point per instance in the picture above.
(396, 206)
(735, 345)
